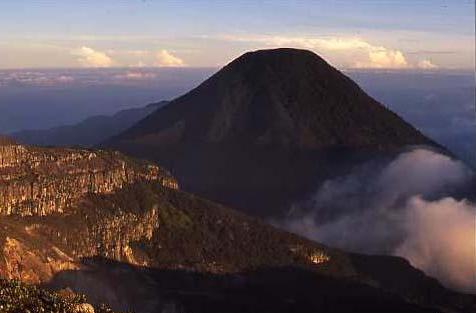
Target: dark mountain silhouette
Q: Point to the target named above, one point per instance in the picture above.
(88, 132)
(265, 129)
(282, 97)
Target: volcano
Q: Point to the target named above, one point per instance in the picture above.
(263, 131)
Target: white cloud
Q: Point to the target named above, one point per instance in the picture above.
(326, 43)
(403, 207)
(380, 57)
(139, 64)
(361, 53)
(65, 79)
(441, 240)
(135, 75)
(165, 58)
(35, 78)
(426, 64)
(89, 57)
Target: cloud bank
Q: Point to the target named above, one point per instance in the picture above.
(441, 240)
(402, 207)
(135, 75)
(380, 57)
(88, 57)
(35, 78)
(363, 53)
(165, 58)
(426, 65)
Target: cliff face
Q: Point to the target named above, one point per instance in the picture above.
(33, 249)
(59, 206)
(51, 215)
(40, 181)
(151, 226)
(119, 231)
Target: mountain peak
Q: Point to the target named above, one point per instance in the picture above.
(279, 97)
(279, 57)
(284, 118)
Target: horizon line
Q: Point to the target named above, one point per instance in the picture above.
(352, 69)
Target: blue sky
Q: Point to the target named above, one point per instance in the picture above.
(350, 34)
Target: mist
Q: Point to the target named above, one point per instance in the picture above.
(406, 207)
(45, 98)
(441, 240)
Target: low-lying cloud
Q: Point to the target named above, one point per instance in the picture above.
(135, 75)
(403, 207)
(440, 239)
(34, 78)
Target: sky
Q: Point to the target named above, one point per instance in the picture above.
(384, 34)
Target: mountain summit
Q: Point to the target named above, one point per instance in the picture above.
(283, 97)
(265, 129)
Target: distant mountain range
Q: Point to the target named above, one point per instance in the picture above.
(89, 132)
(264, 130)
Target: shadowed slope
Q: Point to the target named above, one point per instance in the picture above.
(282, 97)
(204, 257)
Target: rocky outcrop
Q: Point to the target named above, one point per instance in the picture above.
(34, 249)
(54, 212)
(53, 191)
(17, 297)
(41, 181)
(22, 261)
(146, 225)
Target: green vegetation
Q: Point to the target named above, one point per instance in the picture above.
(171, 218)
(17, 297)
